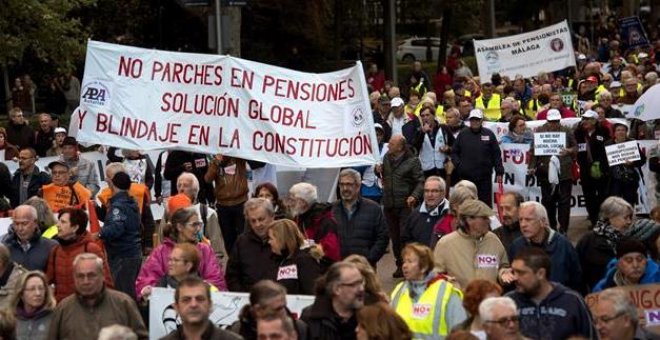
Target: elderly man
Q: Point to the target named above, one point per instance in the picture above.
(45, 134)
(632, 266)
(510, 229)
(63, 192)
(397, 118)
(361, 225)
(82, 170)
(546, 310)
(93, 306)
(403, 184)
(27, 179)
(192, 302)
(433, 141)
(507, 110)
(475, 154)
(315, 219)
(472, 251)
(332, 316)
(499, 318)
(24, 240)
(605, 99)
(251, 259)
(10, 273)
(557, 104)
(19, 132)
(616, 317)
(454, 122)
(555, 187)
(418, 227)
(536, 232)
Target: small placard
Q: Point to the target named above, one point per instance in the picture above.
(622, 152)
(549, 143)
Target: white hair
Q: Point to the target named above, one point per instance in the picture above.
(305, 191)
(538, 209)
(193, 178)
(488, 305)
(117, 332)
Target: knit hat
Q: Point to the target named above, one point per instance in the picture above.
(121, 181)
(178, 201)
(475, 208)
(70, 141)
(628, 246)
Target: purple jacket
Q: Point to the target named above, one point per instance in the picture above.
(155, 267)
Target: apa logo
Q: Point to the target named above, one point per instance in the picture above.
(95, 93)
(358, 117)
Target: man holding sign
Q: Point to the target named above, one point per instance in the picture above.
(552, 156)
(624, 160)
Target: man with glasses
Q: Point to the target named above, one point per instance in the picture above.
(546, 310)
(24, 240)
(333, 313)
(93, 306)
(616, 317)
(121, 234)
(500, 318)
(27, 179)
(19, 132)
(62, 192)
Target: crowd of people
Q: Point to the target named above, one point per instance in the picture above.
(81, 260)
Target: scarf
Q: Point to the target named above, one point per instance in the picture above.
(611, 235)
(523, 138)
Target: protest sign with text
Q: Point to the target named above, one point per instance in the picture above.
(544, 50)
(622, 152)
(549, 143)
(147, 99)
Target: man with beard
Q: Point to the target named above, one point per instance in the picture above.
(510, 229)
(315, 220)
(546, 310)
(476, 153)
(332, 316)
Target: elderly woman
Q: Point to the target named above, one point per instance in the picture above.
(518, 132)
(415, 298)
(184, 227)
(449, 222)
(624, 178)
(73, 239)
(183, 262)
(632, 266)
(45, 216)
(10, 151)
(475, 292)
(298, 269)
(33, 304)
(380, 322)
(597, 248)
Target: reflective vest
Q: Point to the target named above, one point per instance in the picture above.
(532, 108)
(492, 112)
(426, 317)
(430, 156)
(138, 191)
(59, 197)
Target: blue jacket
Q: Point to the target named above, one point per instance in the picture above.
(651, 275)
(565, 262)
(121, 232)
(35, 258)
(561, 314)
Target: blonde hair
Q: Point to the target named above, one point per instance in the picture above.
(287, 234)
(49, 297)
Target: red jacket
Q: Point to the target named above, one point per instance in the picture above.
(564, 111)
(318, 224)
(60, 264)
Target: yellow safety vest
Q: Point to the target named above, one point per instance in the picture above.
(492, 112)
(530, 110)
(426, 317)
(439, 112)
(50, 232)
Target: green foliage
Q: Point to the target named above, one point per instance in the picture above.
(47, 29)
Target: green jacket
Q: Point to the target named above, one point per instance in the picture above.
(402, 178)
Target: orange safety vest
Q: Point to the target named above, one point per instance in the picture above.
(138, 191)
(58, 196)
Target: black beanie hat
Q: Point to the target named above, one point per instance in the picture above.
(121, 180)
(628, 246)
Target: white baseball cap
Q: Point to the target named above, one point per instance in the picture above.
(553, 114)
(396, 102)
(476, 113)
(60, 130)
(590, 114)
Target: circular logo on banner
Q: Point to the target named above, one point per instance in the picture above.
(557, 44)
(95, 93)
(492, 57)
(358, 117)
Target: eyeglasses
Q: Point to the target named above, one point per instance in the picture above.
(607, 319)
(355, 284)
(505, 321)
(194, 225)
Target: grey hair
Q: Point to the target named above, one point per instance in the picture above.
(352, 173)
(89, 256)
(443, 185)
(621, 302)
(538, 209)
(459, 195)
(117, 332)
(488, 305)
(193, 178)
(113, 168)
(604, 94)
(467, 184)
(257, 202)
(305, 191)
(614, 206)
(45, 215)
(31, 210)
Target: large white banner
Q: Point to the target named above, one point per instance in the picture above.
(544, 50)
(148, 99)
(163, 318)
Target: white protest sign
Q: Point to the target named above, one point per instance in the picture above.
(622, 152)
(163, 319)
(549, 143)
(148, 99)
(545, 50)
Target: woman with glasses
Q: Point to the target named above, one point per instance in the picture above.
(33, 303)
(184, 227)
(182, 262)
(298, 262)
(427, 302)
(73, 239)
(518, 132)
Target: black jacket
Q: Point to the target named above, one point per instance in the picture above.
(297, 273)
(596, 145)
(213, 332)
(20, 135)
(174, 167)
(365, 233)
(475, 154)
(246, 325)
(38, 179)
(324, 324)
(43, 141)
(418, 138)
(250, 261)
(418, 227)
(508, 234)
(594, 253)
